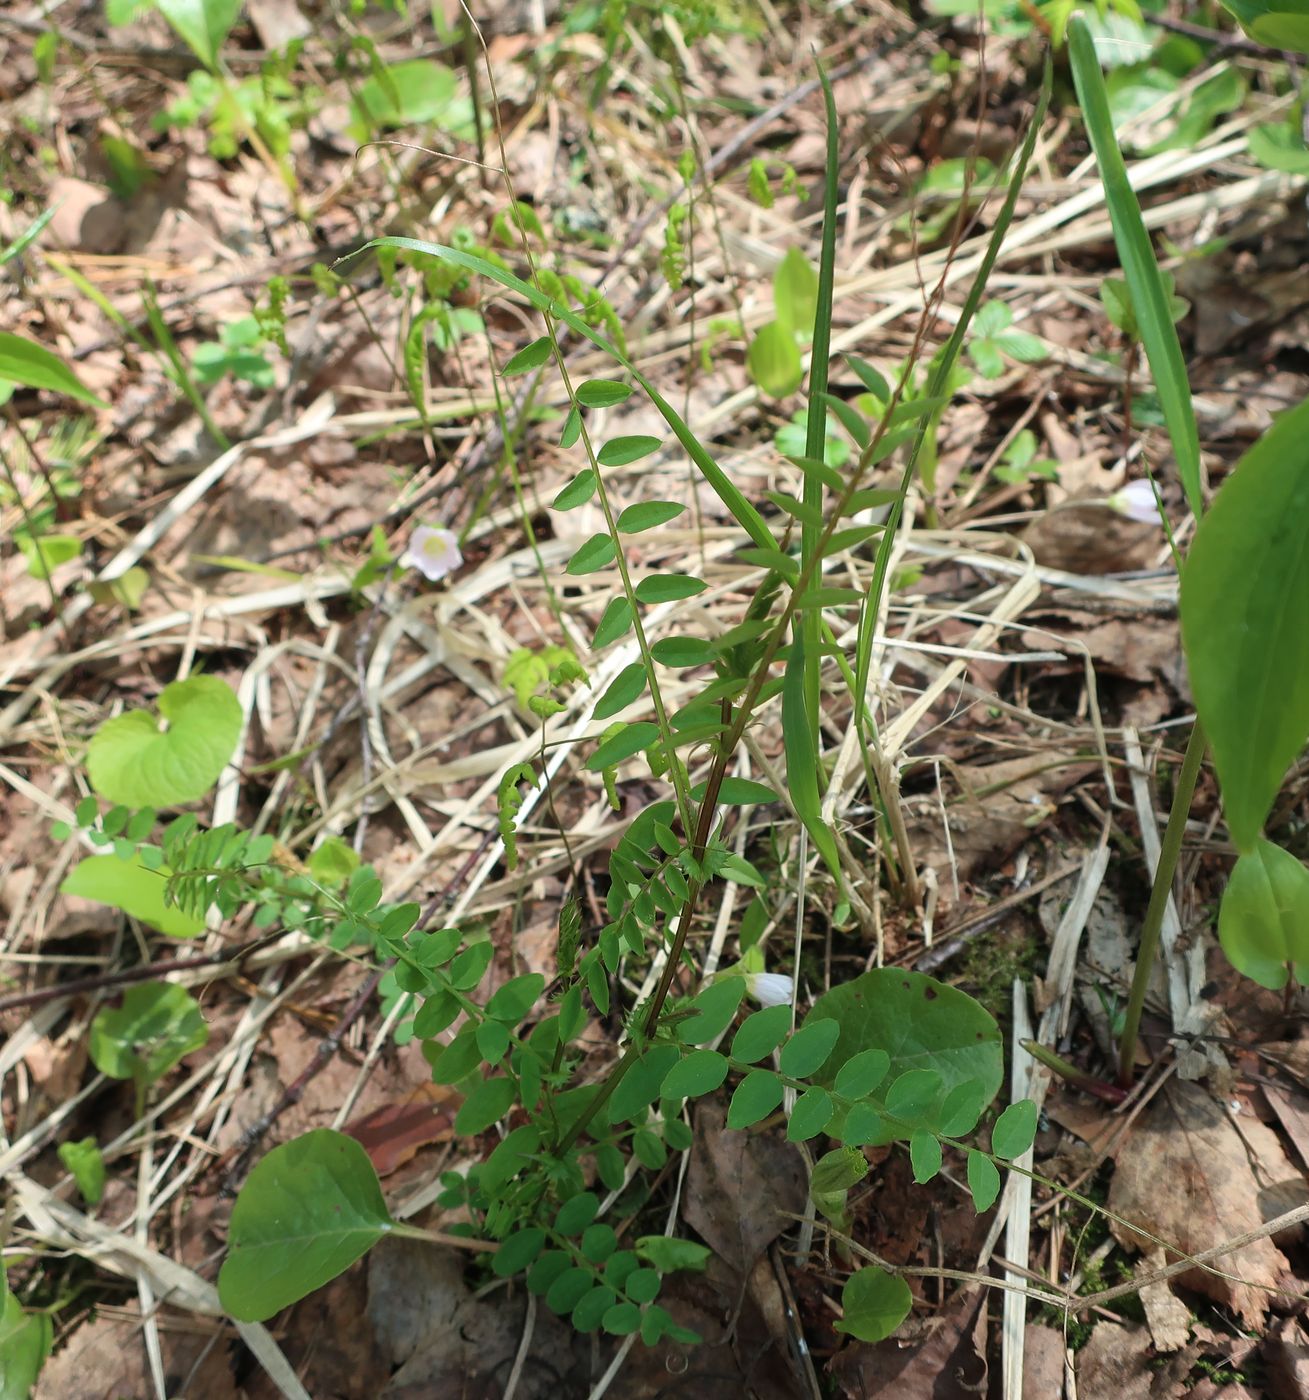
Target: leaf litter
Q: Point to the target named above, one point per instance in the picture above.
(993, 797)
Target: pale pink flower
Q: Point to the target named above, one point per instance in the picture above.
(433, 551)
(1137, 501)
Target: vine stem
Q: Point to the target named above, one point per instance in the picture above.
(1169, 851)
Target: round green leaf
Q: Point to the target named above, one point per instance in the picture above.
(983, 1180)
(756, 1096)
(518, 1251)
(516, 998)
(1263, 921)
(487, 1104)
(568, 1289)
(921, 1024)
(774, 360)
(589, 1313)
(809, 1048)
(914, 1094)
(715, 1007)
(622, 1318)
(874, 1304)
(156, 1025)
(128, 885)
(546, 1269)
(1014, 1130)
(1244, 598)
(576, 1213)
(130, 760)
(700, 1072)
(862, 1073)
(598, 1242)
(761, 1034)
(641, 1085)
(811, 1114)
(924, 1156)
(642, 1285)
(307, 1211)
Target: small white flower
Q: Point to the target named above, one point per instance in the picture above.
(433, 551)
(769, 988)
(1137, 501)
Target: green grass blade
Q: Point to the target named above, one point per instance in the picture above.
(1150, 298)
(816, 429)
(742, 511)
(936, 386)
(802, 759)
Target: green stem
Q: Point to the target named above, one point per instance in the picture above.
(1163, 884)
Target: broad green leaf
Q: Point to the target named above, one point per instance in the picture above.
(811, 1114)
(128, 885)
(23, 361)
(86, 1164)
(590, 1311)
(873, 1303)
(795, 293)
(1263, 921)
(809, 1048)
(631, 739)
(716, 1006)
(774, 361)
(622, 1319)
(920, 1024)
(516, 998)
(983, 1180)
(963, 1107)
(132, 761)
(411, 93)
(619, 451)
(157, 1024)
(668, 588)
(700, 1072)
(602, 393)
(1244, 600)
(578, 491)
(1015, 1130)
(646, 515)
(597, 553)
(924, 1155)
(307, 1211)
(598, 1242)
(530, 357)
(202, 24)
(568, 1289)
(802, 760)
(642, 1285)
(625, 688)
(756, 1096)
(1136, 253)
(741, 510)
(45, 553)
(332, 862)
(1280, 25)
(640, 1086)
(25, 1341)
(761, 1033)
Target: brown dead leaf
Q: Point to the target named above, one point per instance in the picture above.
(1091, 537)
(1115, 1362)
(1189, 1176)
(1168, 1318)
(1286, 1350)
(103, 1358)
(393, 1133)
(1044, 1349)
(949, 1365)
(738, 1186)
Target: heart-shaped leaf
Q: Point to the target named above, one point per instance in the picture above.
(143, 1039)
(128, 885)
(308, 1210)
(134, 761)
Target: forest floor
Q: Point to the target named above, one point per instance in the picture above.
(1032, 699)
